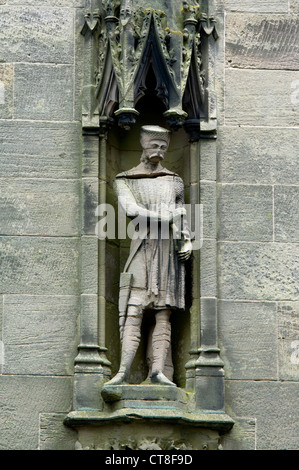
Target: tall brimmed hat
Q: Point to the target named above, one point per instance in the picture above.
(154, 132)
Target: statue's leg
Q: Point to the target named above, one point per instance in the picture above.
(168, 366)
(161, 342)
(130, 341)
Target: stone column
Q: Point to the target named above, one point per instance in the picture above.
(194, 164)
(209, 390)
(92, 368)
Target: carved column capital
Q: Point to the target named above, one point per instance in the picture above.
(105, 124)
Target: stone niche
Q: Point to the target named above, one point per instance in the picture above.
(147, 63)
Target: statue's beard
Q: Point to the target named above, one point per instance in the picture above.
(145, 159)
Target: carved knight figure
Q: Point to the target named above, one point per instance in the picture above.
(154, 275)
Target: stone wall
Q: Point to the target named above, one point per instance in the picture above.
(40, 222)
(40, 226)
(258, 219)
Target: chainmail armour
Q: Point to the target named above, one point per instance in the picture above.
(158, 276)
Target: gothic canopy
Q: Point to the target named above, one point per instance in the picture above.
(165, 39)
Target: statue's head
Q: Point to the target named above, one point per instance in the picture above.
(154, 141)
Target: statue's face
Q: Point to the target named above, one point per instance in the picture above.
(155, 150)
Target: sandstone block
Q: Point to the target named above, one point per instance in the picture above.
(248, 339)
(262, 41)
(89, 270)
(40, 149)
(245, 212)
(208, 282)
(36, 34)
(286, 213)
(2, 349)
(242, 436)
(264, 6)
(37, 265)
(258, 271)
(40, 334)
(258, 155)
(274, 406)
(44, 92)
(6, 91)
(261, 98)
(90, 204)
(54, 435)
(288, 340)
(22, 399)
(39, 207)
(208, 200)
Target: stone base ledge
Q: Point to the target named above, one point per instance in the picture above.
(150, 392)
(150, 404)
(220, 422)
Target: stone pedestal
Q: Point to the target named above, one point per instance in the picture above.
(149, 417)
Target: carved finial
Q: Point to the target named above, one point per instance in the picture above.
(208, 25)
(91, 23)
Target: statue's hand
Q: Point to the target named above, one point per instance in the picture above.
(185, 250)
(178, 213)
(171, 216)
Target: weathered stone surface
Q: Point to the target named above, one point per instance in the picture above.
(39, 207)
(112, 272)
(90, 204)
(294, 6)
(89, 324)
(245, 212)
(2, 349)
(288, 340)
(208, 200)
(90, 156)
(274, 405)
(89, 269)
(263, 6)
(37, 149)
(208, 270)
(112, 336)
(40, 334)
(138, 436)
(36, 34)
(248, 340)
(242, 436)
(46, 3)
(79, 59)
(44, 92)
(258, 271)
(36, 265)
(54, 435)
(258, 155)
(22, 399)
(208, 161)
(219, 62)
(286, 213)
(262, 41)
(6, 91)
(260, 98)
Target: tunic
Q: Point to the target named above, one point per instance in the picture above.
(158, 280)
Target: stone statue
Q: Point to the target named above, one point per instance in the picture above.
(154, 276)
